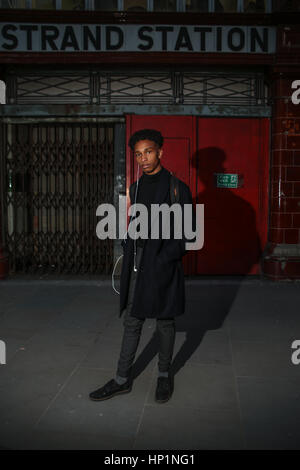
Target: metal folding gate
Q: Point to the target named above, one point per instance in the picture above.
(54, 176)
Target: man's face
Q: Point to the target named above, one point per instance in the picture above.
(148, 154)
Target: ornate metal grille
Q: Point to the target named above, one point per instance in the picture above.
(55, 176)
(45, 89)
(211, 89)
(138, 88)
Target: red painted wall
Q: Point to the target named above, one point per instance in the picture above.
(235, 230)
(236, 218)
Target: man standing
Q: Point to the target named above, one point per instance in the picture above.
(152, 278)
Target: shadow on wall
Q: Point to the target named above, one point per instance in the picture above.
(231, 241)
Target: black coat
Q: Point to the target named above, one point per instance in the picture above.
(159, 290)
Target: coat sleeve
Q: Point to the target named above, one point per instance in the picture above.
(174, 250)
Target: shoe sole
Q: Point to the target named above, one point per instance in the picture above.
(162, 401)
(110, 396)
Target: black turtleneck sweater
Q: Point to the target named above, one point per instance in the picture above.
(147, 189)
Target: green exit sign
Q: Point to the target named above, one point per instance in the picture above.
(228, 180)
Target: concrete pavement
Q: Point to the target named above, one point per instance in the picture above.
(235, 384)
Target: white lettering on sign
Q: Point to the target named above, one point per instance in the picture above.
(296, 94)
(296, 354)
(2, 92)
(26, 37)
(2, 352)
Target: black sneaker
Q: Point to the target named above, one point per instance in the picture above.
(164, 389)
(110, 389)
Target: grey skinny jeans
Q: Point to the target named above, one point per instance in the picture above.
(165, 330)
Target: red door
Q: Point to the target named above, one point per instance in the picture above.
(235, 221)
(197, 150)
(179, 145)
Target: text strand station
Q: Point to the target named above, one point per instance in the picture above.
(25, 37)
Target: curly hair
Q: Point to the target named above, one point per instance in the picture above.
(146, 134)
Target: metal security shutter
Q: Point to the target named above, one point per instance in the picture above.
(54, 177)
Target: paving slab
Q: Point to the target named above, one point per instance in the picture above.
(264, 358)
(235, 384)
(114, 421)
(187, 428)
(270, 410)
